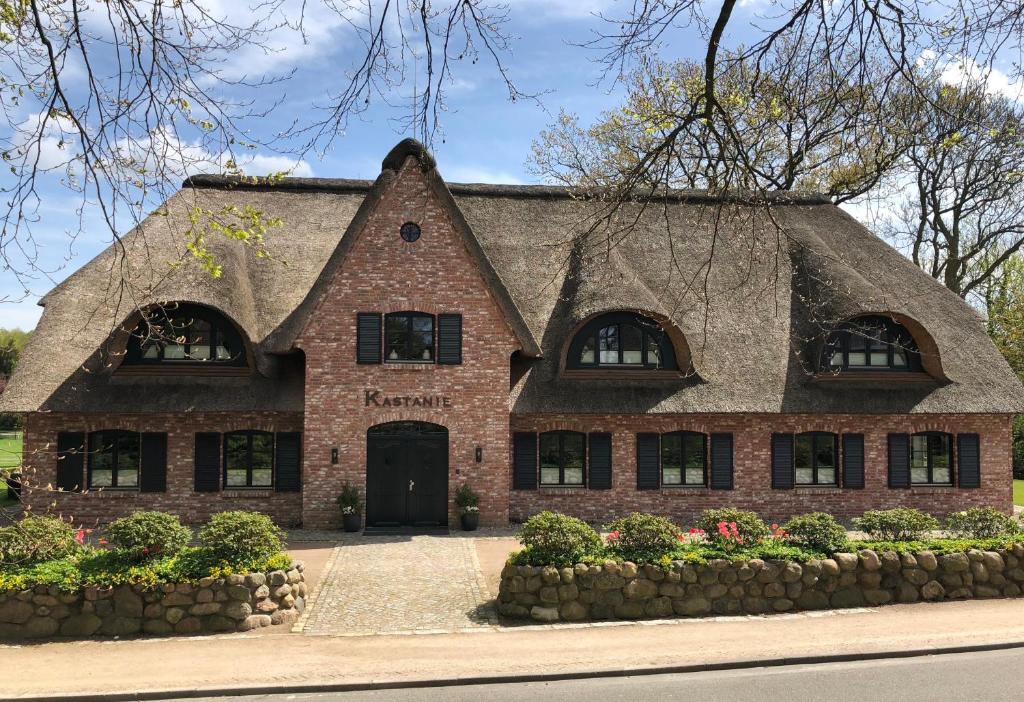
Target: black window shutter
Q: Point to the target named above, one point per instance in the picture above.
(782, 461)
(70, 460)
(853, 461)
(449, 339)
(288, 462)
(207, 462)
(600, 461)
(899, 460)
(721, 462)
(154, 463)
(524, 461)
(969, 453)
(368, 341)
(648, 463)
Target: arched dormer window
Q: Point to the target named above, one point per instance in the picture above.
(185, 334)
(621, 340)
(873, 343)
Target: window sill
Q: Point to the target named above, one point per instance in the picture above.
(855, 376)
(819, 489)
(561, 489)
(929, 488)
(247, 492)
(685, 488)
(409, 365)
(113, 493)
(669, 376)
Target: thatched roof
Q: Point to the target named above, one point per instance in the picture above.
(751, 286)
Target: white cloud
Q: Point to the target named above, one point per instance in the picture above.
(962, 70)
(165, 153)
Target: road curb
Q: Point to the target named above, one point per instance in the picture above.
(301, 688)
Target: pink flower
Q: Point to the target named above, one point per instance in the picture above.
(613, 536)
(80, 536)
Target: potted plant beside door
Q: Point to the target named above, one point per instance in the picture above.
(468, 503)
(351, 508)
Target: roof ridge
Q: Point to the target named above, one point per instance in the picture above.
(524, 190)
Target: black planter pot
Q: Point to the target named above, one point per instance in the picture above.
(352, 522)
(470, 521)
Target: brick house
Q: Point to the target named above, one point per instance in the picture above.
(409, 335)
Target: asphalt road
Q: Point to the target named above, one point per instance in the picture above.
(990, 676)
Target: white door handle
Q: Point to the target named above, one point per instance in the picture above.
(411, 483)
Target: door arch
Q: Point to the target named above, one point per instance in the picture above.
(407, 474)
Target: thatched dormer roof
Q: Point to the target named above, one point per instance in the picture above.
(752, 285)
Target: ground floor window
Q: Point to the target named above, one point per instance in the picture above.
(683, 458)
(815, 457)
(248, 459)
(931, 459)
(562, 458)
(114, 458)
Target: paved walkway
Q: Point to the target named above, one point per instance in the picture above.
(399, 585)
(245, 660)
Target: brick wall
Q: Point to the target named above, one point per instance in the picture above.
(752, 467)
(40, 468)
(383, 273)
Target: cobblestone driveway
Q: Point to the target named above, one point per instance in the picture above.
(391, 585)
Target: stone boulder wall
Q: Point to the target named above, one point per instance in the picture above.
(626, 591)
(231, 603)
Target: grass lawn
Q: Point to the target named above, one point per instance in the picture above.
(10, 460)
(1018, 492)
(10, 450)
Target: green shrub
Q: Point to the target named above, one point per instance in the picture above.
(241, 537)
(749, 525)
(818, 531)
(466, 499)
(642, 538)
(557, 539)
(981, 523)
(35, 539)
(148, 534)
(349, 501)
(900, 524)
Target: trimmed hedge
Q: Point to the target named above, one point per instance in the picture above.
(143, 535)
(234, 542)
(900, 524)
(559, 540)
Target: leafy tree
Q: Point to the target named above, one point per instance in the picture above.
(962, 215)
(12, 342)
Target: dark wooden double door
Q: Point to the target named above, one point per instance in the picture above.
(407, 474)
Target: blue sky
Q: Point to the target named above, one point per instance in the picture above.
(486, 138)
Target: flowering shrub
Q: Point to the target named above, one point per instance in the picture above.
(750, 527)
(35, 539)
(143, 535)
(981, 523)
(642, 538)
(900, 524)
(728, 536)
(818, 531)
(550, 538)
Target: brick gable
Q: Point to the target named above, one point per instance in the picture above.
(382, 273)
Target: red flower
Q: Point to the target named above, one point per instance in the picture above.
(80, 536)
(775, 527)
(613, 536)
(102, 542)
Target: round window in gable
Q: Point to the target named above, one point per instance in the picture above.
(410, 231)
